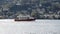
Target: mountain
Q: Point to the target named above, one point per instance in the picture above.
(34, 8)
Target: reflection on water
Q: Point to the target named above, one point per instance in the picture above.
(30, 27)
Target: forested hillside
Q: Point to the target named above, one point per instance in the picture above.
(40, 9)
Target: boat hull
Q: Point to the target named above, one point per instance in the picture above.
(25, 20)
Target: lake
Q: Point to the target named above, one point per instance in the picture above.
(9, 26)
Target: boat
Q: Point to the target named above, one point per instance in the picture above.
(24, 18)
(2, 17)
